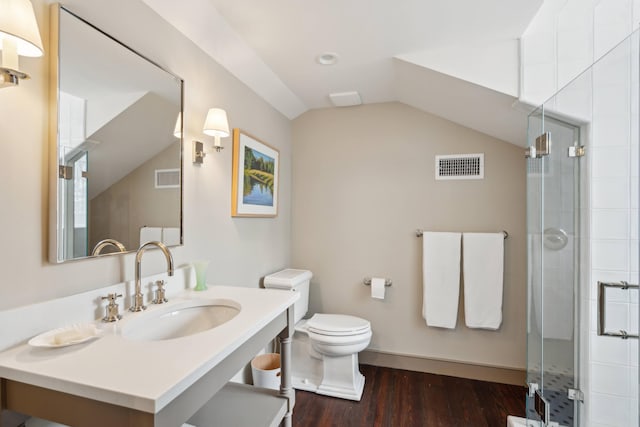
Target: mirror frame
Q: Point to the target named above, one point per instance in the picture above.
(54, 86)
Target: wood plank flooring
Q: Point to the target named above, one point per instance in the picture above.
(398, 398)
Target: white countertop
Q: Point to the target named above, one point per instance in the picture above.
(145, 375)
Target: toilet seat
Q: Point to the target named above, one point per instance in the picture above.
(337, 325)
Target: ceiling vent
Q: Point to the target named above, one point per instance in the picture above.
(460, 166)
(345, 99)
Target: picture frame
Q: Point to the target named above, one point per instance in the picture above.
(255, 170)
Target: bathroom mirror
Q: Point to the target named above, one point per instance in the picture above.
(116, 162)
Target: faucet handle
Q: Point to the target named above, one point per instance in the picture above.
(111, 310)
(112, 298)
(160, 293)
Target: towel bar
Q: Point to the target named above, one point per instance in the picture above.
(367, 282)
(419, 233)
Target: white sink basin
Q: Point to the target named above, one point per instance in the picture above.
(180, 320)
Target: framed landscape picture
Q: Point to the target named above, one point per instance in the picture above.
(254, 191)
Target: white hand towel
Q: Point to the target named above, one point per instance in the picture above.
(171, 236)
(441, 278)
(150, 234)
(483, 266)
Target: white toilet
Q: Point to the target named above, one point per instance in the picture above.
(326, 346)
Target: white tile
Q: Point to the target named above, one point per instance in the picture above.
(610, 379)
(611, 132)
(618, 295)
(539, 47)
(633, 255)
(610, 224)
(612, 24)
(575, 99)
(593, 316)
(610, 193)
(574, 44)
(633, 353)
(633, 319)
(609, 410)
(634, 418)
(635, 153)
(633, 223)
(615, 67)
(577, 15)
(609, 255)
(617, 316)
(609, 350)
(539, 82)
(612, 100)
(610, 162)
(633, 190)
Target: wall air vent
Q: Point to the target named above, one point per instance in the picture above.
(167, 178)
(460, 166)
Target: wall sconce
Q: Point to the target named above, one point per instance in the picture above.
(177, 130)
(19, 35)
(215, 125)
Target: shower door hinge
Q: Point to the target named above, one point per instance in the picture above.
(543, 144)
(541, 147)
(542, 407)
(65, 172)
(575, 394)
(576, 151)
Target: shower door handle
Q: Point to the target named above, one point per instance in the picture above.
(602, 300)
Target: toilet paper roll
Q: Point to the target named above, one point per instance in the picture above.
(377, 287)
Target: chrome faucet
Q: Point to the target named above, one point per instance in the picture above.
(107, 242)
(138, 304)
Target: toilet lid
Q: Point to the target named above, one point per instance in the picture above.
(337, 324)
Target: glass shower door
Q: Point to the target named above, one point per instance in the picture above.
(553, 180)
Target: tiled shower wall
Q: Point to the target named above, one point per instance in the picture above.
(566, 39)
(613, 212)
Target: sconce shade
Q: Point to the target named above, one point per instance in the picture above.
(18, 24)
(177, 130)
(216, 123)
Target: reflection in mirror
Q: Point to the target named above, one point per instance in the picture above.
(118, 164)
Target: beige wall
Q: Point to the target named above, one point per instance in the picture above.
(241, 250)
(133, 202)
(363, 182)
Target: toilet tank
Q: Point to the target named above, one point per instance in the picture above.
(292, 280)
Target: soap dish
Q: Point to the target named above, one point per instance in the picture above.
(63, 337)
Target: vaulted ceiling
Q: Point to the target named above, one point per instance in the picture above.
(386, 51)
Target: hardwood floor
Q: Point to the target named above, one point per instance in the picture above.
(398, 398)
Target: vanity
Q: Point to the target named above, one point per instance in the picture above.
(119, 380)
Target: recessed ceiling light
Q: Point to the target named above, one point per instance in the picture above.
(327, 58)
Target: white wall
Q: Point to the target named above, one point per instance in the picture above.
(495, 63)
(363, 182)
(241, 250)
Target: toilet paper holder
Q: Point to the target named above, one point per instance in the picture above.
(367, 281)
